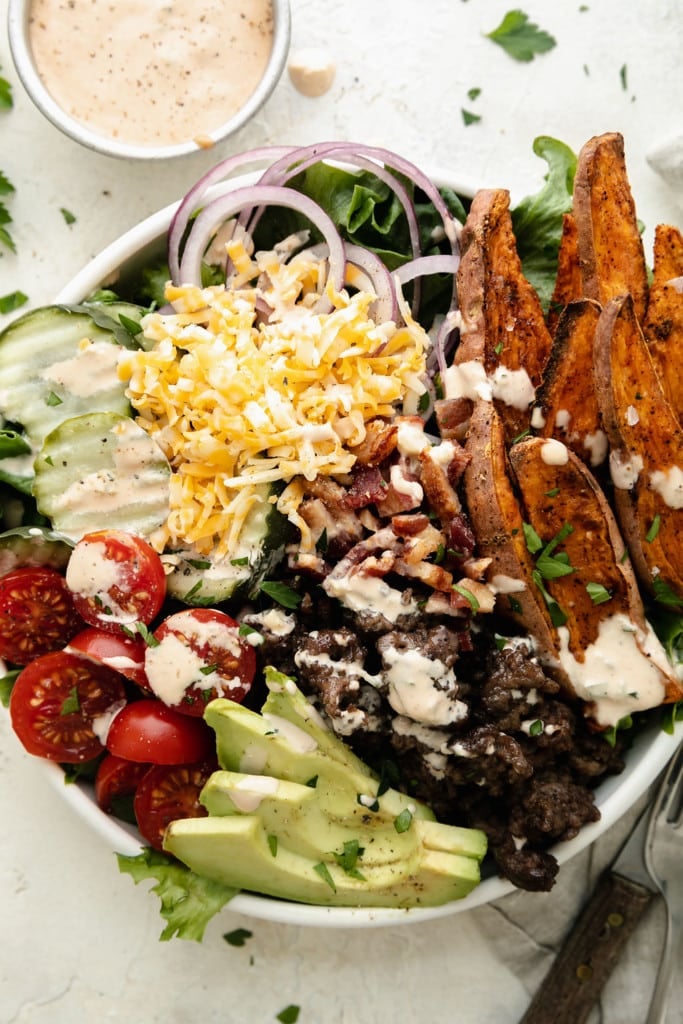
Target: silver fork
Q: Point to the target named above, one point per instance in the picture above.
(664, 859)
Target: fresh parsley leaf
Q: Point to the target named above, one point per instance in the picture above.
(6, 98)
(188, 901)
(465, 592)
(12, 301)
(238, 936)
(281, 593)
(468, 117)
(289, 1015)
(557, 616)
(597, 593)
(520, 38)
(533, 541)
(69, 217)
(403, 821)
(6, 684)
(654, 528)
(473, 94)
(536, 728)
(324, 872)
(71, 704)
(348, 858)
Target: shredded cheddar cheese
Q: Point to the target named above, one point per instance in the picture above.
(247, 384)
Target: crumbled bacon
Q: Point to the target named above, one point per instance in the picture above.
(367, 488)
(452, 417)
(379, 443)
(439, 491)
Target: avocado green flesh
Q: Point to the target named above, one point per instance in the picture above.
(235, 850)
(292, 802)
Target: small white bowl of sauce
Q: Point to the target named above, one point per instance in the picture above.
(149, 79)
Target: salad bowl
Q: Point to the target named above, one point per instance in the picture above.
(651, 749)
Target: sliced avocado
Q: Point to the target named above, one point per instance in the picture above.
(236, 851)
(300, 820)
(271, 744)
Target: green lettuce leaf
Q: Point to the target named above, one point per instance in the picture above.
(537, 219)
(188, 901)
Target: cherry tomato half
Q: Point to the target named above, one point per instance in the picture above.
(117, 778)
(199, 655)
(55, 704)
(37, 614)
(148, 730)
(116, 579)
(124, 654)
(166, 793)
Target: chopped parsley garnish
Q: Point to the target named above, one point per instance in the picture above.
(199, 563)
(469, 118)
(536, 728)
(6, 189)
(7, 682)
(597, 593)
(69, 217)
(241, 561)
(289, 1015)
(654, 529)
(237, 937)
(281, 593)
(389, 776)
(53, 399)
(473, 94)
(403, 821)
(272, 844)
(208, 670)
(471, 598)
(348, 858)
(12, 301)
(312, 782)
(623, 76)
(324, 872)
(142, 630)
(6, 98)
(131, 326)
(71, 705)
(520, 38)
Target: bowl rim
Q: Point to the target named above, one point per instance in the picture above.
(614, 796)
(18, 12)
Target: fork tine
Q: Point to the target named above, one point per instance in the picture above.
(662, 863)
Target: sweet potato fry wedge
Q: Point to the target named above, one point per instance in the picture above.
(568, 281)
(498, 525)
(663, 326)
(503, 326)
(567, 400)
(646, 451)
(610, 247)
(590, 588)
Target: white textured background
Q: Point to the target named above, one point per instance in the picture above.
(78, 942)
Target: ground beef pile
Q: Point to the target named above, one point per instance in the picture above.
(397, 640)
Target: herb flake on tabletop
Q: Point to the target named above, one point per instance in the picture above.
(520, 38)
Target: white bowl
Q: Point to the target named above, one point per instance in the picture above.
(651, 750)
(18, 31)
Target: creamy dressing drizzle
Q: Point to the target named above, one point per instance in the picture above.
(151, 72)
(411, 678)
(622, 671)
(470, 380)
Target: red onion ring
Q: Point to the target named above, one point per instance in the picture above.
(446, 263)
(227, 205)
(190, 201)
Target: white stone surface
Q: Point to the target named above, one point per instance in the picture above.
(78, 942)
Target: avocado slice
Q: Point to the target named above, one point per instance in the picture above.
(236, 851)
(308, 820)
(290, 740)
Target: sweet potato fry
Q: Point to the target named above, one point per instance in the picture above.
(498, 525)
(663, 326)
(610, 247)
(568, 281)
(646, 451)
(579, 567)
(503, 327)
(567, 401)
